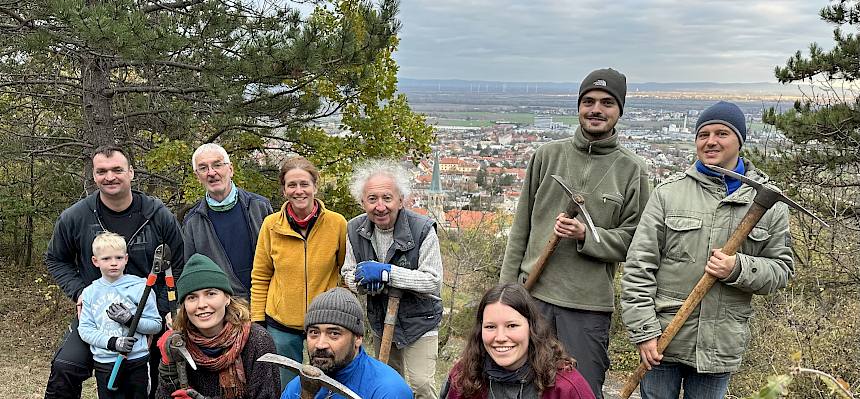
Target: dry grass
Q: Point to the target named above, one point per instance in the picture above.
(32, 318)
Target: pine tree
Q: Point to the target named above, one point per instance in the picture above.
(160, 77)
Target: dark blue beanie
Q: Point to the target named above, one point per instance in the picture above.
(725, 113)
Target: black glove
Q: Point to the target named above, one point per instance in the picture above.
(121, 344)
(119, 313)
(168, 371)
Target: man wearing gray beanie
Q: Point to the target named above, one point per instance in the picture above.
(334, 325)
(685, 221)
(575, 291)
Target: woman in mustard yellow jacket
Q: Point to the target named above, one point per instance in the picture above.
(299, 255)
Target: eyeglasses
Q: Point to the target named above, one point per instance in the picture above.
(217, 166)
(103, 172)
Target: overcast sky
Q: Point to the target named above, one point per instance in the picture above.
(648, 40)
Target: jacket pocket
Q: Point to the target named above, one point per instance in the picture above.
(755, 241)
(613, 203)
(682, 232)
(734, 333)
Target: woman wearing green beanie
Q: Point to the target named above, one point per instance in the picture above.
(220, 337)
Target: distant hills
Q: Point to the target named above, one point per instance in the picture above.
(479, 86)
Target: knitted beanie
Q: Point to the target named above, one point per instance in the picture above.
(336, 306)
(608, 80)
(725, 113)
(201, 272)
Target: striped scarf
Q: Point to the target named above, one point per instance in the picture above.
(231, 372)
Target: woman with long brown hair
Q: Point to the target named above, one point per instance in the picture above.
(511, 353)
(222, 340)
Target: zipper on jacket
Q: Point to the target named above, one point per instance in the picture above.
(305, 243)
(586, 171)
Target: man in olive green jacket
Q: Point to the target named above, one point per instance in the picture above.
(575, 292)
(686, 221)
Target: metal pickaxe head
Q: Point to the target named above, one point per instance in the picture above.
(764, 195)
(310, 375)
(177, 346)
(577, 207)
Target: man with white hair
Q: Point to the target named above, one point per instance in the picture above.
(395, 247)
(225, 224)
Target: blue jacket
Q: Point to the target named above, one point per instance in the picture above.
(366, 376)
(96, 328)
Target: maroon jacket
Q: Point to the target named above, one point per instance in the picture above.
(569, 384)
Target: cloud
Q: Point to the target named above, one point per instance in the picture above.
(649, 40)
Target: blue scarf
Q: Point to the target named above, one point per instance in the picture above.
(732, 184)
(228, 202)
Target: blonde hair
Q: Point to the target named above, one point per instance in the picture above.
(108, 241)
(237, 313)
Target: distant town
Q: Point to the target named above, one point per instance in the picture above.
(487, 134)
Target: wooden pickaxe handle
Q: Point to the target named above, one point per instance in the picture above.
(548, 250)
(394, 295)
(753, 215)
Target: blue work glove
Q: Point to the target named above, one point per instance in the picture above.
(369, 271)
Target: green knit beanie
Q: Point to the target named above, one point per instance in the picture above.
(201, 272)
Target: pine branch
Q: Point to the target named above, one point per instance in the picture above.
(170, 6)
(175, 64)
(153, 89)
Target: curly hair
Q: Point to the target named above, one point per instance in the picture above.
(376, 167)
(545, 353)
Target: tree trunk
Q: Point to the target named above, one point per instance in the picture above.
(97, 109)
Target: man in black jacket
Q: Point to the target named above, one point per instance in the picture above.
(142, 220)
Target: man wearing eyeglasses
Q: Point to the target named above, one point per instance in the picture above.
(142, 220)
(225, 223)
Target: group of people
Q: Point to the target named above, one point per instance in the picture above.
(253, 281)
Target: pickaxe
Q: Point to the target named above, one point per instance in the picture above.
(180, 356)
(394, 295)
(575, 207)
(310, 377)
(390, 321)
(765, 198)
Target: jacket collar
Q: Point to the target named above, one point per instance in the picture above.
(716, 186)
(599, 147)
(403, 239)
(201, 207)
(147, 205)
(354, 366)
(282, 225)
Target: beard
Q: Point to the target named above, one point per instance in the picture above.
(328, 362)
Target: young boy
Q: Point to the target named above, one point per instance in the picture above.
(108, 306)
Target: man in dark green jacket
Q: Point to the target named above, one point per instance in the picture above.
(687, 220)
(575, 291)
